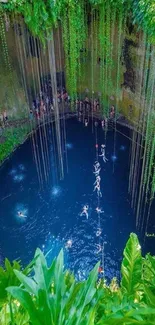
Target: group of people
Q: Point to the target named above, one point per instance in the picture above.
(97, 187)
(98, 178)
(44, 103)
(96, 172)
(99, 211)
(104, 122)
(87, 105)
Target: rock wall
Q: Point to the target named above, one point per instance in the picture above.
(30, 59)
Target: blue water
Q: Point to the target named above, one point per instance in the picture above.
(52, 214)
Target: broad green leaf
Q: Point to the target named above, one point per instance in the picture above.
(141, 311)
(150, 296)
(131, 267)
(28, 283)
(26, 301)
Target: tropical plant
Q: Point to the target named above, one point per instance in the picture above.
(42, 295)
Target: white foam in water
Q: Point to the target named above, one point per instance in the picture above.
(69, 146)
(123, 148)
(21, 167)
(16, 174)
(56, 191)
(18, 178)
(114, 158)
(13, 171)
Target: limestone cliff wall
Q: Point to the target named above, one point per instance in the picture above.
(29, 60)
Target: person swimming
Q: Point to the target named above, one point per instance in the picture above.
(97, 188)
(99, 192)
(98, 210)
(69, 243)
(103, 153)
(99, 248)
(98, 180)
(97, 165)
(98, 232)
(21, 215)
(85, 211)
(97, 172)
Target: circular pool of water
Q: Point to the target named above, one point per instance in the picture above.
(52, 217)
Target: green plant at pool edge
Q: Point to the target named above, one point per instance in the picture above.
(42, 295)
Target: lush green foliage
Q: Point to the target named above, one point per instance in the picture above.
(41, 15)
(144, 16)
(14, 137)
(42, 295)
(74, 35)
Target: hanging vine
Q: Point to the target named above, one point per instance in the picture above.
(102, 42)
(74, 36)
(120, 22)
(108, 51)
(4, 41)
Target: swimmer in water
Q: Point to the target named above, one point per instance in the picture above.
(98, 210)
(99, 248)
(69, 244)
(98, 232)
(98, 180)
(85, 211)
(86, 122)
(97, 165)
(104, 158)
(97, 188)
(21, 215)
(103, 153)
(99, 193)
(96, 172)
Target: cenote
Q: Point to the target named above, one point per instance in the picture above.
(77, 162)
(53, 212)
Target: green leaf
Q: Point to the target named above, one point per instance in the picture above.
(150, 296)
(26, 301)
(28, 283)
(131, 267)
